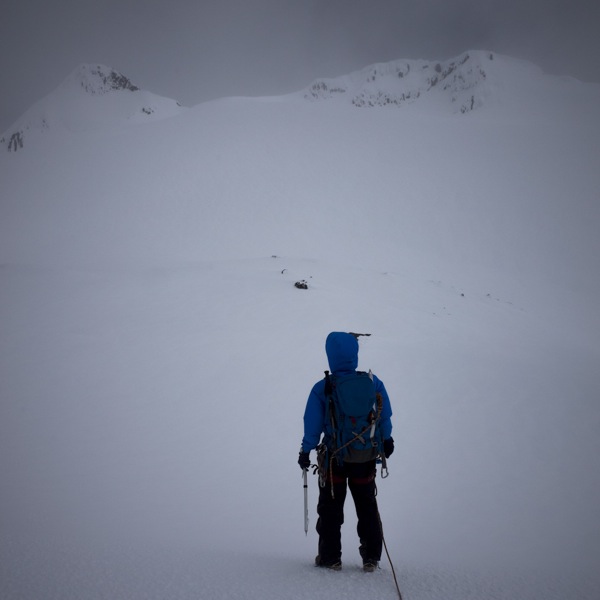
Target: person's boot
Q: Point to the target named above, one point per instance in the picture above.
(335, 565)
(369, 565)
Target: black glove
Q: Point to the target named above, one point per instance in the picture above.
(388, 447)
(304, 460)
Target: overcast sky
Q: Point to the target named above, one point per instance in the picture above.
(197, 50)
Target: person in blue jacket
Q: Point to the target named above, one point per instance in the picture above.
(342, 355)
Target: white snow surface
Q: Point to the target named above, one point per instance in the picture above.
(155, 356)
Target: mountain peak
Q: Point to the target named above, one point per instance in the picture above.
(458, 85)
(98, 80)
(92, 97)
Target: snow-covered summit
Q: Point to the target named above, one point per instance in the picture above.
(96, 97)
(400, 82)
(459, 85)
(99, 80)
(92, 97)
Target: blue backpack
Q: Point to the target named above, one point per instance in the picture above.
(355, 417)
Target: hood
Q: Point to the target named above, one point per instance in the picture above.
(342, 351)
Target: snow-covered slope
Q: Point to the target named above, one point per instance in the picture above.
(155, 356)
(498, 192)
(92, 97)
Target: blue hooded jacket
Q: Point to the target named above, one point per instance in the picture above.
(342, 354)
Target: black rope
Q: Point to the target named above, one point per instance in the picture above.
(387, 552)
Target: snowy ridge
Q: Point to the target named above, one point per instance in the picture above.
(459, 85)
(92, 97)
(96, 97)
(99, 80)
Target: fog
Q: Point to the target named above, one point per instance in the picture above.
(155, 356)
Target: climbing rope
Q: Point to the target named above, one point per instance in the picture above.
(387, 553)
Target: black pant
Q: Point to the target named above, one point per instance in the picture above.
(360, 478)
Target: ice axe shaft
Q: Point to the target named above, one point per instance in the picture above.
(305, 478)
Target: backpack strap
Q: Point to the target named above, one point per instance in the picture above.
(328, 384)
(384, 469)
(329, 396)
(376, 414)
(379, 410)
(331, 407)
